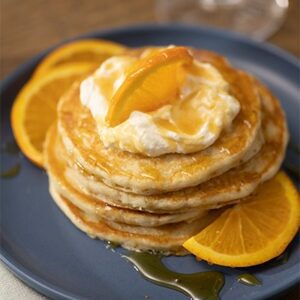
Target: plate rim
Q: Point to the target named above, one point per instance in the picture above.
(45, 287)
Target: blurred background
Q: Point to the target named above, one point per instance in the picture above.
(28, 27)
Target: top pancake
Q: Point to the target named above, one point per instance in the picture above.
(237, 183)
(170, 172)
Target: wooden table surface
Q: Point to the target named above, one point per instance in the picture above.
(28, 27)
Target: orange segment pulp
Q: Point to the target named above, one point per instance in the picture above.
(254, 231)
(34, 109)
(151, 83)
(82, 51)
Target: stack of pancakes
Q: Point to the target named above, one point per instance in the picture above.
(156, 203)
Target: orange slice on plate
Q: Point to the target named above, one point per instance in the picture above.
(82, 51)
(254, 231)
(151, 83)
(34, 109)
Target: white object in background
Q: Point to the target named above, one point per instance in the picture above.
(255, 18)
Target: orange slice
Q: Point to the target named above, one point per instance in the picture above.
(151, 83)
(82, 51)
(254, 231)
(34, 109)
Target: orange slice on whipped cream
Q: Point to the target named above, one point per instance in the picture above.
(150, 83)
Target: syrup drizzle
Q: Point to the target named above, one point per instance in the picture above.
(200, 285)
(12, 172)
(11, 148)
(248, 279)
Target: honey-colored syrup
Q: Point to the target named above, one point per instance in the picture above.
(201, 285)
(11, 148)
(248, 279)
(12, 172)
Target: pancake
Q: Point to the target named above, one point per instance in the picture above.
(234, 184)
(144, 175)
(97, 207)
(166, 239)
(156, 203)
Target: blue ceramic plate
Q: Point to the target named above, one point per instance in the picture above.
(41, 246)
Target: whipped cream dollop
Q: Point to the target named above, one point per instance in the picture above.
(191, 123)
